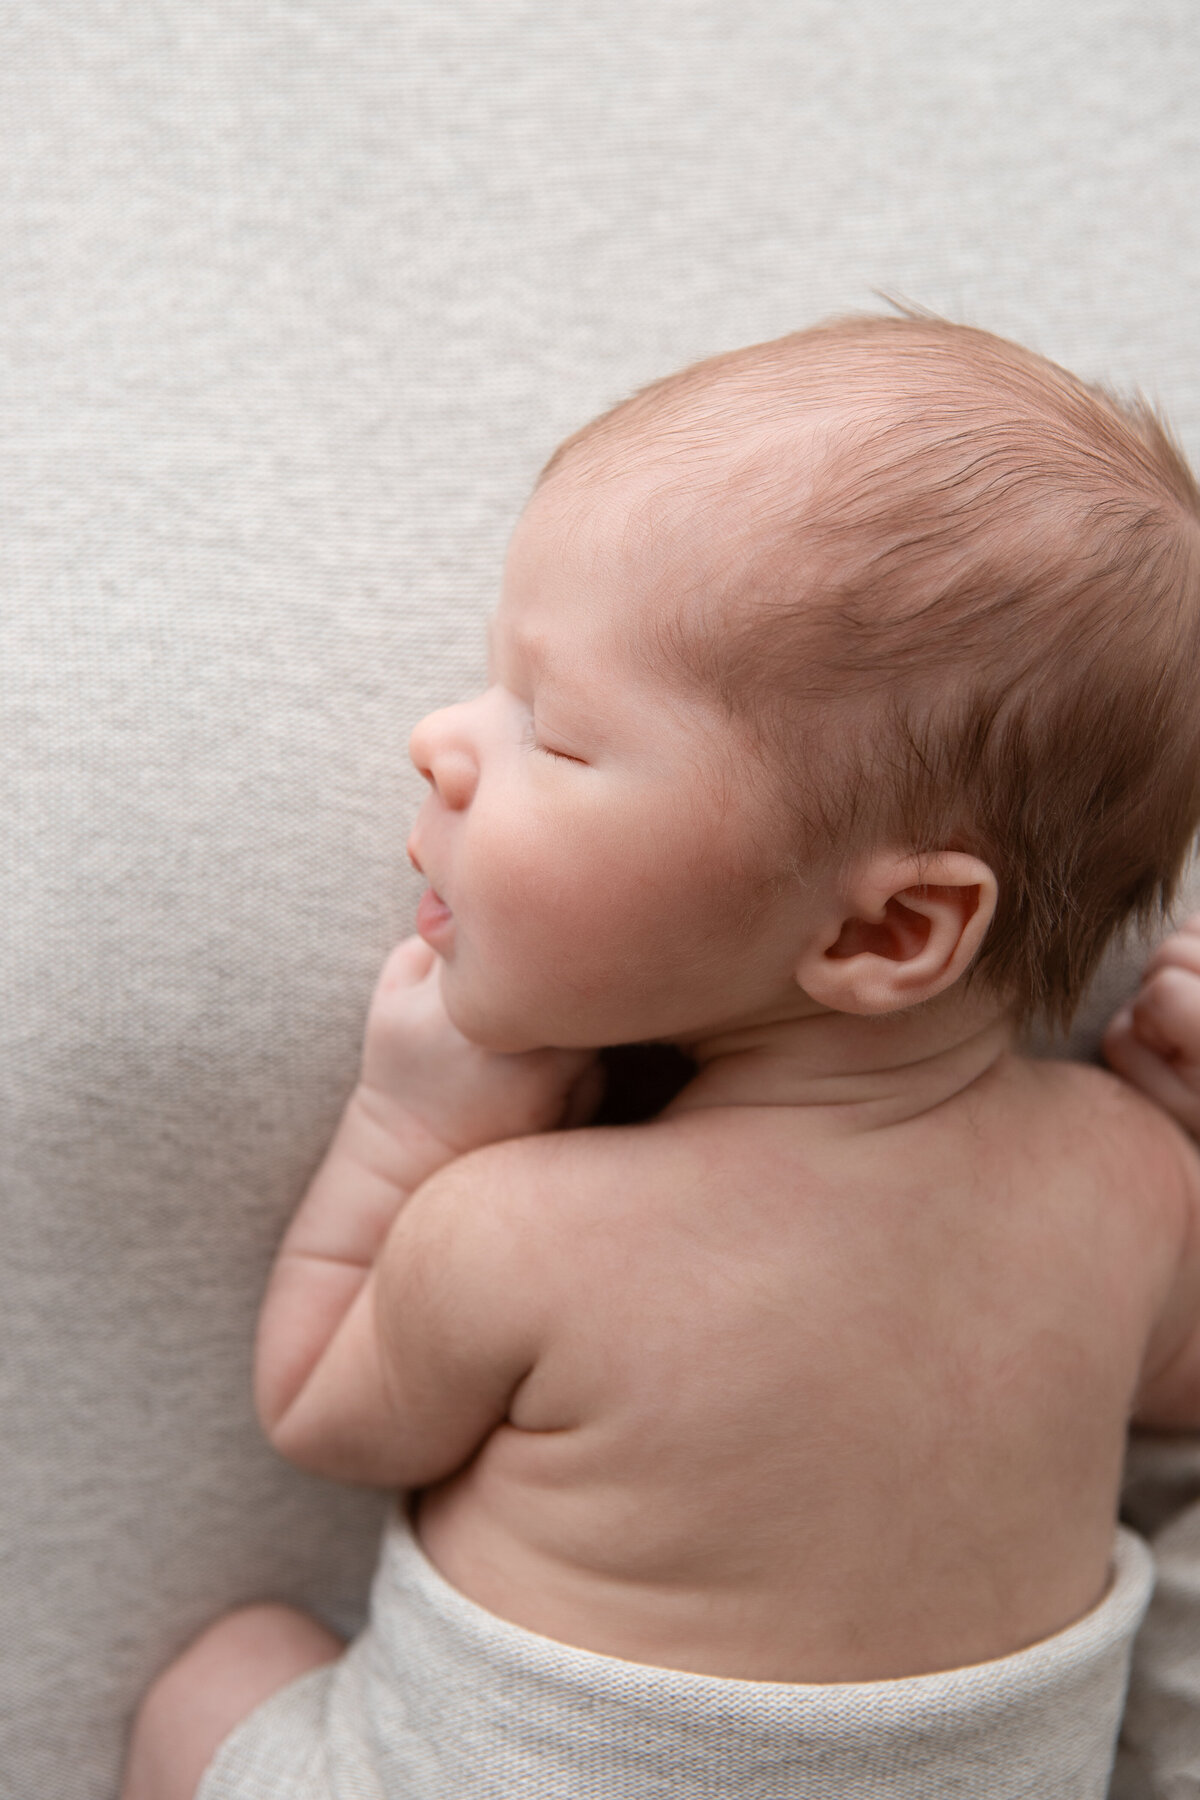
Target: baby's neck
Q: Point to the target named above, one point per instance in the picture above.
(852, 1073)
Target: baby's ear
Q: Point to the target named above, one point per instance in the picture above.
(905, 928)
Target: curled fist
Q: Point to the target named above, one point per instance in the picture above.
(1154, 1042)
(418, 1067)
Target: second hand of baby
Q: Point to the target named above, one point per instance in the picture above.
(1154, 1042)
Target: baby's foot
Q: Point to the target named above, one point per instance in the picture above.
(1154, 1042)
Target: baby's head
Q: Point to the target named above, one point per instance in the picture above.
(940, 599)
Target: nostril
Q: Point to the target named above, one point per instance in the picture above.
(453, 778)
(442, 751)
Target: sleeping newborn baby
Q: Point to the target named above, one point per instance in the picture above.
(840, 714)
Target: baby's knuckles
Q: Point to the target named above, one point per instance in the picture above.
(1166, 1016)
(417, 1066)
(1179, 951)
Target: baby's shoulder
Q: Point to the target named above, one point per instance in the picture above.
(1084, 1112)
(1083, 1091)
(507, 1219)
(577, 1204)
(557, 1175)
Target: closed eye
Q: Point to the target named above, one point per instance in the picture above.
(558, 755)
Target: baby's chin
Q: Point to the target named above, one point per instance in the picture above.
(493, 1028)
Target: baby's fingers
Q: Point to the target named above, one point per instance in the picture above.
(1145, 1053)
(1165, 1014)
(409, 963)
(1180, 951)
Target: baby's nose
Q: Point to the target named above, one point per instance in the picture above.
(442, 753)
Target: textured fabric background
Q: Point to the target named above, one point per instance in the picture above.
(295, 295)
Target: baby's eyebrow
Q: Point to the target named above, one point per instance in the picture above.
(490, 634)
(529, 650)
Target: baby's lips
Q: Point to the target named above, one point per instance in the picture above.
(434, 920)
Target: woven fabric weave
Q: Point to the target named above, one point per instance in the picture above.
(440, 1700)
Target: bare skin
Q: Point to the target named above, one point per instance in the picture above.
(668, 1392)
(778, 1322)
(196, 1702)
(665, 1388)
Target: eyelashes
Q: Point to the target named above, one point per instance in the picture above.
(532, 739)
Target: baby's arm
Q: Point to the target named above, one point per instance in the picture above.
(1154, 1042)
(425, 1097)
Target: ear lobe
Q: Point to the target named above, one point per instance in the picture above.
(908, 929)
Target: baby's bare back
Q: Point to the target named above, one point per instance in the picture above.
(824, 1405)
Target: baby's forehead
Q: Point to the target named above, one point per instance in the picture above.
(678, 506)
(762, 424)
(734, 493)
(836, 459)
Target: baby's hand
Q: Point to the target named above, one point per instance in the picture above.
(419, 1067)
(1154, 1042)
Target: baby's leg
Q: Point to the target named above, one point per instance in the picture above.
(196, 1702)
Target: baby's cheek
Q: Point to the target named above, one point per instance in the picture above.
(565, 867)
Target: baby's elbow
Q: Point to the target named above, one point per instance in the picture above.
(355, 1464)
(333, 1449)
(281, 1385)
(359, 1452)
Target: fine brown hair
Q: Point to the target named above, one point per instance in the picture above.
(962, 612)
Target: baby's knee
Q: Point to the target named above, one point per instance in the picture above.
(198, 1700)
